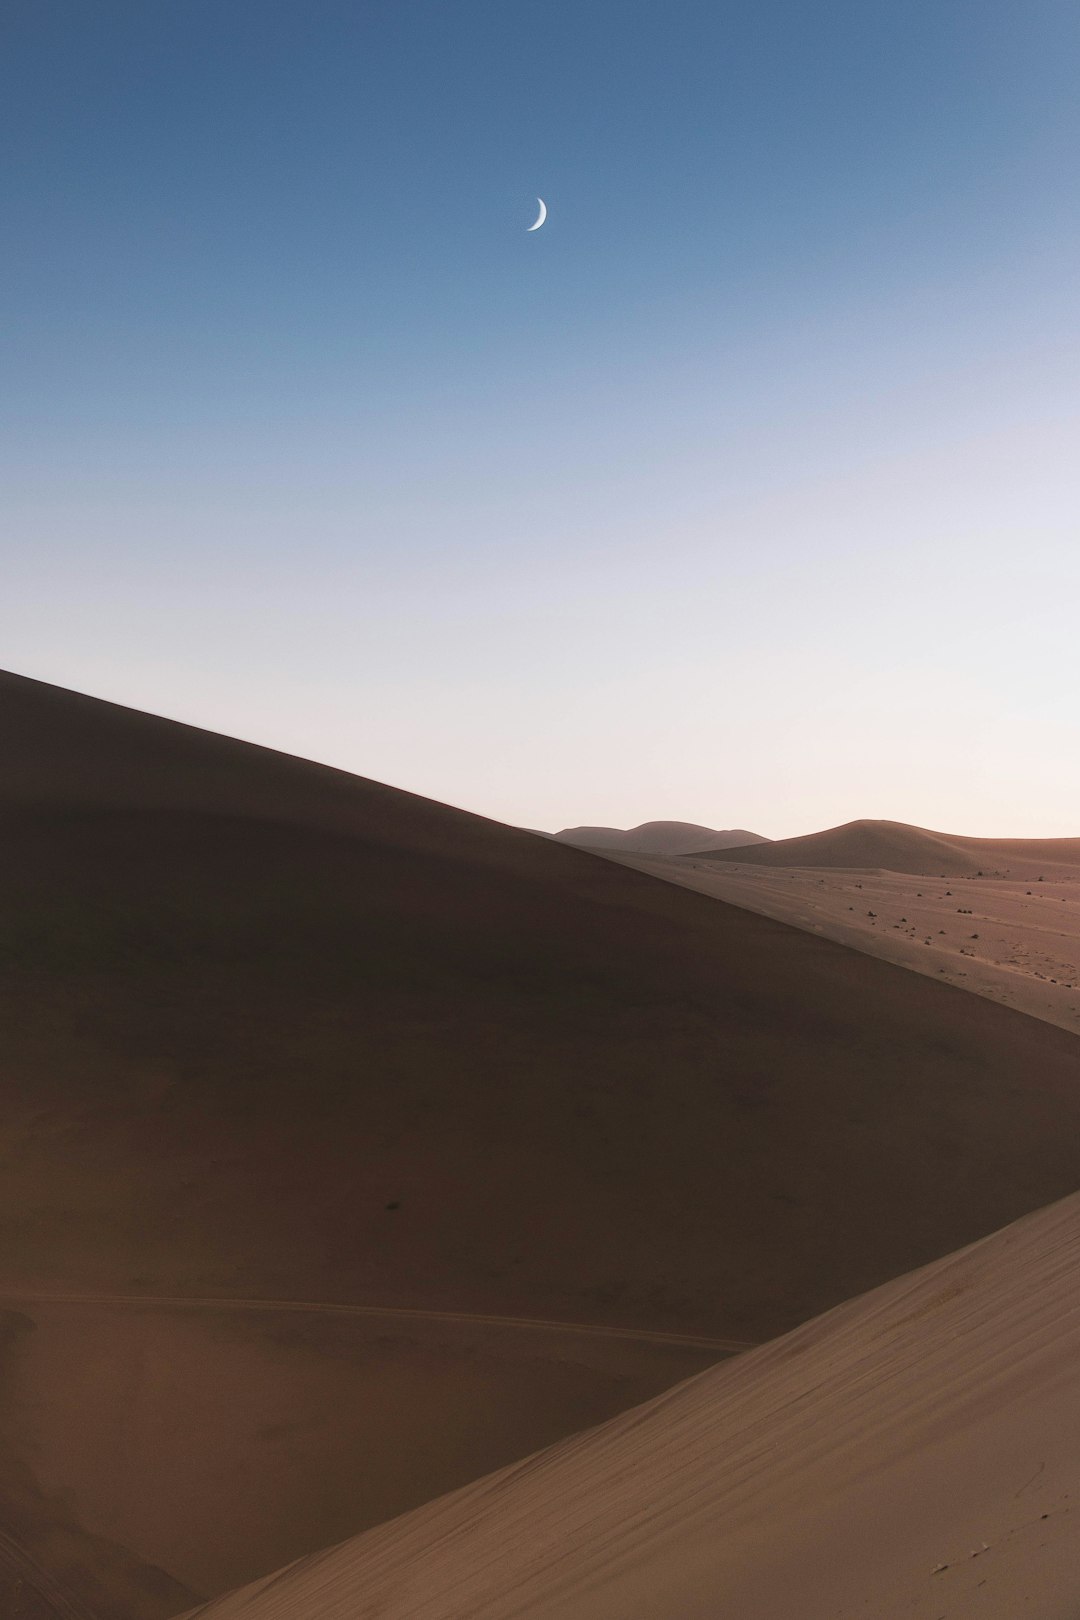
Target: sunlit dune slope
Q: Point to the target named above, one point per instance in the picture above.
(900, 848)
(1015, 940)
(658, 838)
(914, 1453)
(272, 1029)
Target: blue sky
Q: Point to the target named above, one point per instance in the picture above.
(743, 491)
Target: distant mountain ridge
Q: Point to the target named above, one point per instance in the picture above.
(659, 838)
(895, 846)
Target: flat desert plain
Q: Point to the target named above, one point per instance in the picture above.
(354, 1146)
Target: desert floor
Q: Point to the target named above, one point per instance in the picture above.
(1016, 940)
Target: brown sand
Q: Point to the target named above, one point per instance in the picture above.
(1014, 940)
(270, 1031)
(227, 1439)
(51, 1566)
(912, 1455)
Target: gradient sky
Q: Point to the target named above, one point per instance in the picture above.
(745, 491)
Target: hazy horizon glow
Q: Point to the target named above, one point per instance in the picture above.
(742, 493)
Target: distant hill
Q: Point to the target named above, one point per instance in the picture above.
(658, 838)
(896, 847)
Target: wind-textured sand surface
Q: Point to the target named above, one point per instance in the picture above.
(217, 1435)
(912, 1455)
(276, 1036)
(1015, 940)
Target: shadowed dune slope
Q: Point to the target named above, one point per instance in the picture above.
(658, 838)
(270, 1029)
(914, 1453)
(896, 847)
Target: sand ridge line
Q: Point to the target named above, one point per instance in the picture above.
(17, 1562)
(875, 1455)
(695, 1341)
(1013, 941)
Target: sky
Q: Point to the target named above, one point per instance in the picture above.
(744, 491)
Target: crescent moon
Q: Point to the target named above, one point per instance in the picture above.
(541, 216)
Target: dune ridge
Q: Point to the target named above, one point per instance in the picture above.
(896, 847)
(908, 1453)
(269, 942)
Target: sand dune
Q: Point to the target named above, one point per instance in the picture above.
(274, 1032)
(205, 1436)
(325, 997)
(1014, 941)
(914, 1453)
(895, 847)
(658, 838)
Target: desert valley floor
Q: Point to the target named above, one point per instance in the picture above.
(1014, 938)
(358, 1150)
